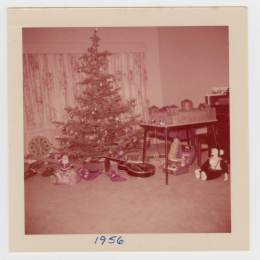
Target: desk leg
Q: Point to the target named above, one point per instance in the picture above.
(166, 155)
(144, 144)
(213, 129)
(197, 146)
(212, 137)
(209, 140)
(188, 136)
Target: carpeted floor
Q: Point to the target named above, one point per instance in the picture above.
(138, 205)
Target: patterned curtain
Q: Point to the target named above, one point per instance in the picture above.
(51, 84)
(129, 69)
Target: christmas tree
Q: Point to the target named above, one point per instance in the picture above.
(101, 123)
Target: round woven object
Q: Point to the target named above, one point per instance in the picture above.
(39, 146)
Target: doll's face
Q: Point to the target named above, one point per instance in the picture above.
(176, 140)
(65, 159)
(214, 152)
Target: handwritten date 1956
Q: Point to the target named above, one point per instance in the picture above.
(109, 240)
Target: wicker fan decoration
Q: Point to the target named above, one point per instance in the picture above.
(39, 147)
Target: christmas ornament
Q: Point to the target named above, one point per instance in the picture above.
(92, 137)
(121, 153)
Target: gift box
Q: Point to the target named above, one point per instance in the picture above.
(95, 164)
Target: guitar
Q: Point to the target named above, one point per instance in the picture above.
(137, 169)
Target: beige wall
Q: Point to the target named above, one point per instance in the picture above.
(192, 61)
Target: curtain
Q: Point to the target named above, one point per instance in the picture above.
(51, 84)
(129, 69)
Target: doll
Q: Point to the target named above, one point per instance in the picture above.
(180, 157)
(65, 174)
(186, 105)
(175, 153)
(214, 167)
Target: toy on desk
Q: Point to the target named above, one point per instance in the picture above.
(65, 174)
(186, 105)
(214, 167)
(186, 114)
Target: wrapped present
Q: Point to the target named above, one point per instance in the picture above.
(32, 167)
(87, 174)
(48, 171)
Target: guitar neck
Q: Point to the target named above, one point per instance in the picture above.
(114, 159)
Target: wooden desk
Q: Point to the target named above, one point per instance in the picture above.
(167, 128)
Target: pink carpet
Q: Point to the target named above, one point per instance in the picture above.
(137, 205)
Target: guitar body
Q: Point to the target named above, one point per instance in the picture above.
(137, 169)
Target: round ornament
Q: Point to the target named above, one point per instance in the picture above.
(39, 147)
(92, 137)
(121, 153)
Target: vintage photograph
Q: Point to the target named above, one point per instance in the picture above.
(126, 130)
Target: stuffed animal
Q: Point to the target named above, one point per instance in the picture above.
(214, 167)
(175, 153)
(65, 174)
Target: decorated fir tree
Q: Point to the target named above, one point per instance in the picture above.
(101, 123)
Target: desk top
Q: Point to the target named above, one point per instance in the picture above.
(163, 126)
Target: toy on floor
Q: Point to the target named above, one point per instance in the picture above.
(180, 157)
(175, 153)
(65, 174)
(214, 167)
(48, 171)
(112, 171)
(31, 167)
(114, 176)
(87, 174)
